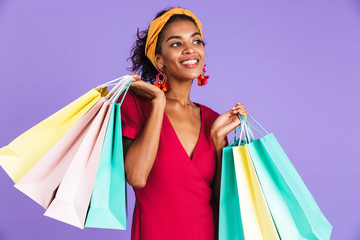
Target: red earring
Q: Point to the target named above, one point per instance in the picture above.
(202, 79)
(161, 81)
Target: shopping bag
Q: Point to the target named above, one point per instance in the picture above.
(255, 215)
(247, 215)
(108, 206)
(41, 182)
(21, 154)
(72, 198)
(294, 210)
(230, 224)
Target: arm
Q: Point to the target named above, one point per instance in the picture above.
(140, 153)
(221, 127)
(218, 147)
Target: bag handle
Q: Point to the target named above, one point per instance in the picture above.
(118, 83)
(126, 89)
(120, 87)
(110, 83)
(113, 89)
(258, 124)
(239, 128)
(245, 129)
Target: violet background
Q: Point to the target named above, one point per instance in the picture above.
(294, 64)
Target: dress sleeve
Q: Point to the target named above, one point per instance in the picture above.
(226, 141)
(131, 116)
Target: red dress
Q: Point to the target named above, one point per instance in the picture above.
(177, 201)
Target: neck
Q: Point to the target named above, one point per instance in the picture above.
(179, 92)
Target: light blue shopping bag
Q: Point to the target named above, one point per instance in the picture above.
(230, 225)
(108, 206)
(294, 210)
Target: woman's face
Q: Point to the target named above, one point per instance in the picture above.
(182, 51)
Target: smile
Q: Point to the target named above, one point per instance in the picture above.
(189, 62)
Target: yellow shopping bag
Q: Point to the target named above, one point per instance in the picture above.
(255, 215)
(21, 154)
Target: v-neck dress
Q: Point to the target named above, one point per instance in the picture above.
(177, 200)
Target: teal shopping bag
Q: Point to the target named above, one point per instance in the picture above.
(108, 206)
(230, 225)
(294, 210)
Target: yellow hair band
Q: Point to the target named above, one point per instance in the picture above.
(157, 25)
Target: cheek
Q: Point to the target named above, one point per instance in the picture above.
(172, 57)
(202, 51)
(168, 54)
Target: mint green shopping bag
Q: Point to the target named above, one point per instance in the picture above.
(230, 225)
(294, 210)
(108, 206)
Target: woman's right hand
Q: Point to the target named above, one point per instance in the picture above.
(145, 89)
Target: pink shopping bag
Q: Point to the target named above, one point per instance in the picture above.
(72, 199)
(41, 182)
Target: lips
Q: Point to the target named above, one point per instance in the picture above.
(187, 62)
(190, 62)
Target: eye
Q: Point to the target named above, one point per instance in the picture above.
(199, 42)
(175, 44)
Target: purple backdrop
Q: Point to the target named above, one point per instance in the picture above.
(295, 66)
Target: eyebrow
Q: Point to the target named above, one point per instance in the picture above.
(179, 37)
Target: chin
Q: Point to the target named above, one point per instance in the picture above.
(195, 74)
(189, 75)
(192, 77)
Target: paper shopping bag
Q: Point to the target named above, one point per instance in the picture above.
(72, 198)
(230, 224)
(21, 154)
(294, 210)
(43, 179)
(108, 206)
(255, 215)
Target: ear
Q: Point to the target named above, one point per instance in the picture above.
(159, 61)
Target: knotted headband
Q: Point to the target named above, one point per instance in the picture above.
(157, 25)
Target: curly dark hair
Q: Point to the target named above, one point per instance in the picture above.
(140, 62)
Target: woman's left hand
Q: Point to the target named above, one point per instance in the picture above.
(226, 122)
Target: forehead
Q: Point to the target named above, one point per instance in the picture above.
(180, 28)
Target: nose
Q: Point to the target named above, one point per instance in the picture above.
(188, 48)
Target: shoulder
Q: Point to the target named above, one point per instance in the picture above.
(135, 105)
(134, 113)
(209, 113)
(130, 95)
(132, 99)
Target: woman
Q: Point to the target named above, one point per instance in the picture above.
(172, 146)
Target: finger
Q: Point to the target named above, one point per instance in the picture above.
(243, 113)
(238, 105)
(239, 109)
(135, 83)
(134, 75)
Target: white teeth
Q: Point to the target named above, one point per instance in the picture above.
(189, 62)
